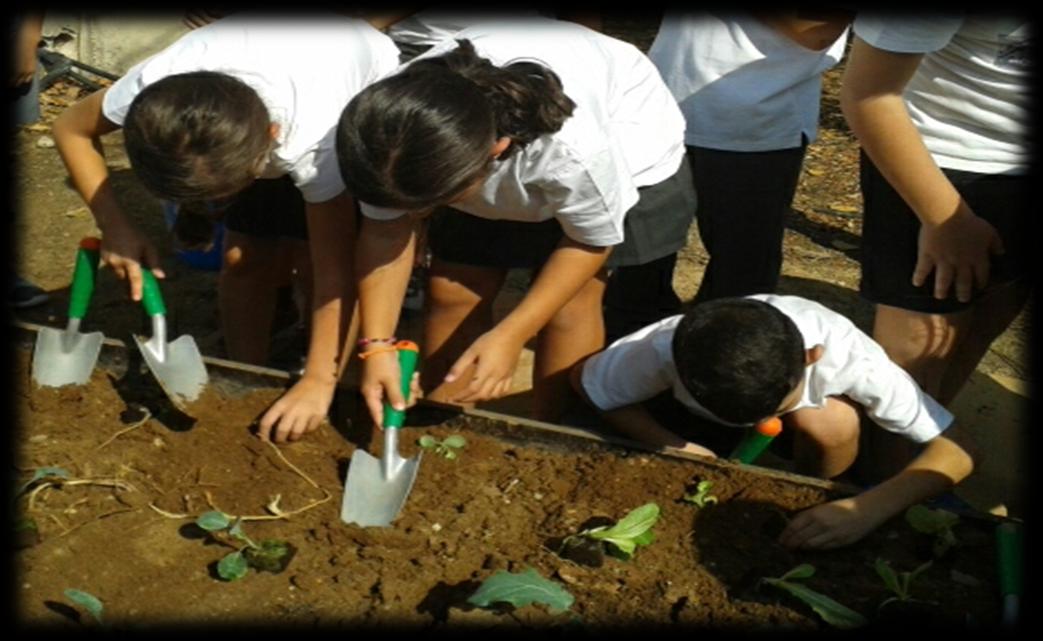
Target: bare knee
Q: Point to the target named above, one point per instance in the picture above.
(582, 312)
(830, 428)
(463, 285)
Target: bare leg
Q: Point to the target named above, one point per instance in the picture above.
(252, 272)
(825, 440)
(992, 315)
(940, 351)
(576, 331)
(459, 309)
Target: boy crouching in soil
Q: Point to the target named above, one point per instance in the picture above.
(738, 361)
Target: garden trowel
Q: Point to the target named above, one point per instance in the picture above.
(68, 357)
(376, 489)
(178, 365)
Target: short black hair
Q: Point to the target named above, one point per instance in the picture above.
(738, 357)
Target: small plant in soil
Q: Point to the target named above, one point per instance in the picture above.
(447, 448)
(702, 497)
(271, 555)
(833, 613)
(935, 523)
(620, 539)
(88, 602)
(519, 590)
(899, 583)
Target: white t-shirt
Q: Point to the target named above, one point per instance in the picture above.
(305, 70)
(969, 98)
(626, 131)
(741, 85)
(641, 365)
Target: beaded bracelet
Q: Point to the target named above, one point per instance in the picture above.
(378, 350)
(362, 342)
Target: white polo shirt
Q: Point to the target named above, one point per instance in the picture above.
(626, 131)
(305, 70)
(969, 98)
(741, 85)
(641, 365)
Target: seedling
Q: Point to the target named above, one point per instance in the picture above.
(520, 590)
(702, 496)
(899, 583)
(936, 523)
(447, 448)
(87, 601)
(271, 555)
(631, 531)
(833, 613)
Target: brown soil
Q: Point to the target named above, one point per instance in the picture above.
(494, 508)
(121, 527)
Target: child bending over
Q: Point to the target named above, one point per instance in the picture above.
(737, 361)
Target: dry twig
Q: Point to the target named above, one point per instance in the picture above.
(135, 426)
(116, 483)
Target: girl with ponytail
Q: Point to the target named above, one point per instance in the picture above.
(536, 144)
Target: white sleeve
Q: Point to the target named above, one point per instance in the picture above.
(317, 173)
(895, 402)
(907, 33)
(591, 199)
(116, 103)
(629, 371)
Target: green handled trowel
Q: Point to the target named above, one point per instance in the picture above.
(178, 365)
(376, 489)
(67, 357)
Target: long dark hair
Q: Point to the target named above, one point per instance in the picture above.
(422, 136)
(196, 136)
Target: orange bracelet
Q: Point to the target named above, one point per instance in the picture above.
(379, 350)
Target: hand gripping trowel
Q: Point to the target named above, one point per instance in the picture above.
(68, 357)
(178, 365)
(376, 489)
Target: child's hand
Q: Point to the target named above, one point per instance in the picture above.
(299, 411)
(830, 525)
(122, 249)
(381, 381)
(494, 357)
(958, 252)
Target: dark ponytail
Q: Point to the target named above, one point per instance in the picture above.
(527, 98)
(422, 136)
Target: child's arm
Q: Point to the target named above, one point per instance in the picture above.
(331, 234)
(77, 134)
(494, 354)
(954, 243)
(635, 421)
(386, 249)
(945, 461)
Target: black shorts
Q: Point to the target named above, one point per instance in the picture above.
(890, 235)
(656, 226)
(268, 208)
